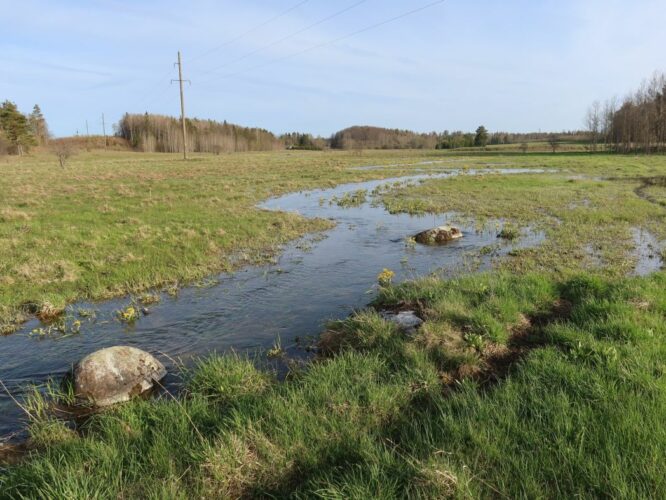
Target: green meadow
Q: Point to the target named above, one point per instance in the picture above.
(543, 377)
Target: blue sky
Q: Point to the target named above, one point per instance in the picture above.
(511, 65)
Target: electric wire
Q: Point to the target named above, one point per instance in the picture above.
(251, 30)
(166, 76)
(330, 42)
(287, 37)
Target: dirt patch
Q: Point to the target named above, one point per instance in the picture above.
(11, 454)
(494, 361)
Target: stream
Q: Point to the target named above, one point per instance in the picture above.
(315, 279)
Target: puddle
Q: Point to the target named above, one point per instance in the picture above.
(593, 256)
(647, 251)
(314, 280)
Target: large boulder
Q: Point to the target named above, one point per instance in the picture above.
(116, 374)
(438, 235)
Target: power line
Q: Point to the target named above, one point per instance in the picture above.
(275, 42)
(289, 36)
(331, 42)
(251, 30)
(165, 78)
(317, 46)
(159, 96)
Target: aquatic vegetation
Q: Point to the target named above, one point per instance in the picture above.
(149, 299)
(304, 247)
(129, 314)
(276, 351)
(351, 199)
(172, 289)
(509, 232)
(139, 243)
(206, 283)
(488, 250)
(385, 277)
(89, 314)
(61, 326)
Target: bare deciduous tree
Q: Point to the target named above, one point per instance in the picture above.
(554, 142)
(63, 151)
(382, 138)
(157, 133)
(638, 123)
(593, 123)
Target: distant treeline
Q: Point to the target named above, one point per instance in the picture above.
(460, 139)
(637, 123)
(298, 140)
(158, 133)
(381, 138)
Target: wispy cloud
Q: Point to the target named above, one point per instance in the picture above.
(514, 65)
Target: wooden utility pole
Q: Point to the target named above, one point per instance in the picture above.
(104, 130)
(182, 104)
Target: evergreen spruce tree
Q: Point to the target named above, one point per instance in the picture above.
(38, 125)
(481, 138)
(16, 127)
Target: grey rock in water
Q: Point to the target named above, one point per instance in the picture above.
(438, 235)
(115, 375)
(407, 321)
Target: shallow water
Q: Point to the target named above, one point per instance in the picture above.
(314, 280)
(647, 251)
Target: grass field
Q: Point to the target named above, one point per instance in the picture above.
(544, 377)
(113, 223)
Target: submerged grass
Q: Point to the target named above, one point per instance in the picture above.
(562, 394)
